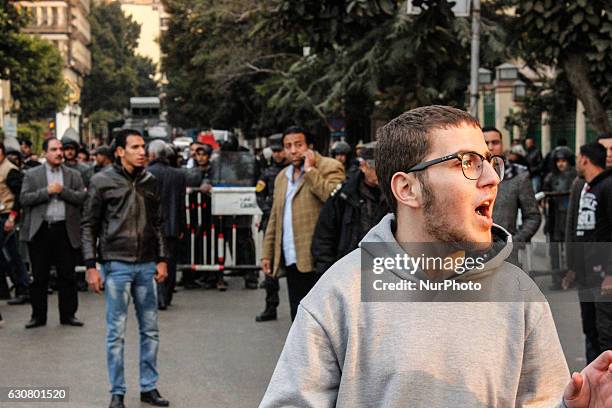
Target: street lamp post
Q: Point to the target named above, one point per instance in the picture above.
(475, 58)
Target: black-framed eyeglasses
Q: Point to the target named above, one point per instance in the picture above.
(472, 164)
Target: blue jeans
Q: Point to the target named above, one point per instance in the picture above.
(122, 280)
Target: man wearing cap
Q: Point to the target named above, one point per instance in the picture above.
(26, 150)
(71, 149)
(352, 210)
(265, 196)
(104, 158)
(198, 179)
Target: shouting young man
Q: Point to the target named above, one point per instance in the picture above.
(350, 348)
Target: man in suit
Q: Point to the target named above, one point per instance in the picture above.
(299, 193)
(172, 187)
(51, 197)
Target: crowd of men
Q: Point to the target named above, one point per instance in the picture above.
(121, 213)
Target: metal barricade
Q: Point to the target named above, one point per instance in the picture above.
(225, 201)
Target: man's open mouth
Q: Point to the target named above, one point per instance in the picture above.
(484, 209)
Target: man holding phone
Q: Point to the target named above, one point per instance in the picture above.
(299, 194)
(122, 213)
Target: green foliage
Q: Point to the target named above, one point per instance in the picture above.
(117, 73)
(33, 66)
(33, 131)
(380, 55)
(101, 118)
(11, 21)
(215, 63)
(37, 81)
(241, 64)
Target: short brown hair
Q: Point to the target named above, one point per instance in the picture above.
(405, 141)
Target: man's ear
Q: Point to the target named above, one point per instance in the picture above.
(120, 151)
(406, 189)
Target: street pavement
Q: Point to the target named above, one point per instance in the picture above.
(212, 352)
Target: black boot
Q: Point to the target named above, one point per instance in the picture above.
(116, 401)
(154, 398)
(266, 315)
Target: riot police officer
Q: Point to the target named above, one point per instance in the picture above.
(265, 193)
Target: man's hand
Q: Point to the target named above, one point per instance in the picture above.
(266, 266)
(309, 160)
(162, 272)
(9, 225)
(606, 285)
(55, 188)
(593, 386)
(94, 280)
(568, 280)
(205, 188)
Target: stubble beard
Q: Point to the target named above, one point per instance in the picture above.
(437, 222)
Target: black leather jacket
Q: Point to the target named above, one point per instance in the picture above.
(123, 212)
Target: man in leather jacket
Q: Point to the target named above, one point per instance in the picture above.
(122, 211)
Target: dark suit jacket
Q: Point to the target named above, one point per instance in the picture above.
(34, 199)
(172, 188)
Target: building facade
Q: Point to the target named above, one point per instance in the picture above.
(64, 23)
(153, 20)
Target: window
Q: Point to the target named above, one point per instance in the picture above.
(54, 20)
(45, 17)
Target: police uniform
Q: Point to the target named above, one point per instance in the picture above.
(265, 196)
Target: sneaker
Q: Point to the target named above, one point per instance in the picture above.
(1, 320)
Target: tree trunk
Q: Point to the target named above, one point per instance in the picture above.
(577, 70)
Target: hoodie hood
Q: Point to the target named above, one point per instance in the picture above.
(380, 242)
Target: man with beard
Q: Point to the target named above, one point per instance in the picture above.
(441, 181)
(300, 192)
(121, 228)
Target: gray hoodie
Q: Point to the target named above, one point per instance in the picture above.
(343, 352)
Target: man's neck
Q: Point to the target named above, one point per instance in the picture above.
(416, 241)
(591, 172)
(128, 168)
(297, 171)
